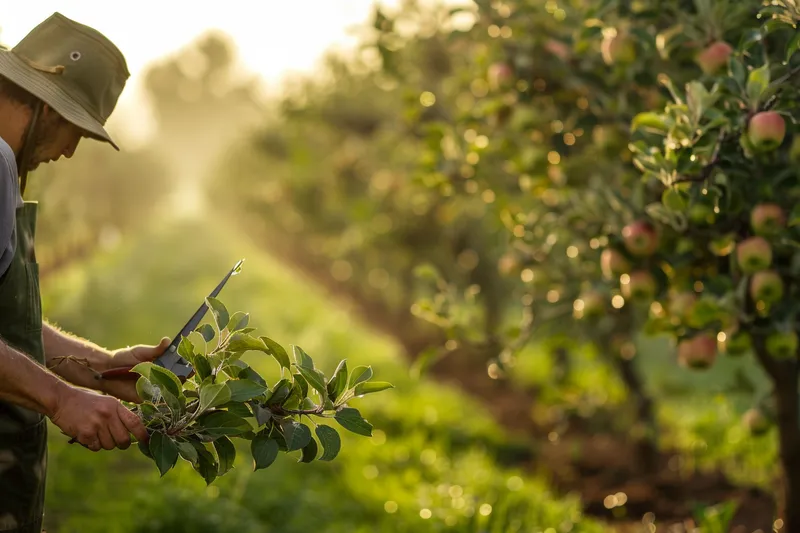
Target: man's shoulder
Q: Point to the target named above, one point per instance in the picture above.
(8, 159)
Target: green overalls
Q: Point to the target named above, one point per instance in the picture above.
(23, 433)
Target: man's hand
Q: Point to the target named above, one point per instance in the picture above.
(129, 357)
(96, 421)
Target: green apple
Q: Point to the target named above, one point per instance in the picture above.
(782, 344)
(766, 286)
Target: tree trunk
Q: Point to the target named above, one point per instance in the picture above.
(784, 374)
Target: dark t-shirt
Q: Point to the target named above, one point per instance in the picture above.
(10, 200)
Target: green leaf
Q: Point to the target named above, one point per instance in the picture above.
(145, 389)
(166, 380)
(144, 447)
(252, 375)
(186, 349)
(296, 434)
(143, 369)
(277, 351)
(293, 401)
(219, 311)
(202, 367)
(239, 409)
(214, 395)
(792, 47)
(217, 423)
(244, 389)
(301, 381)
(281, 391)
(302, 358)
(262, 414)
(350, 419)
(331, 442)
(206, 465)
(649, 121)
(338, 383)
(372, 386)
(360, 374)
(207, 331)
(315, 379)
(309, 452)
(187, 451)
(264, 450)
(674, 199)
(164, 452)
(238, 321)
(176, 407)
(757, 83)
(241, 342)
(226, 453)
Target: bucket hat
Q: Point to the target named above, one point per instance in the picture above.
(71, 67)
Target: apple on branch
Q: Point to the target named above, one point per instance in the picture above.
(640, 238)
(714, 57)
(698, 352)
(767, 219)
(766, 130)
(754, 254)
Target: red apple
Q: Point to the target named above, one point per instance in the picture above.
(782, 344)
(500, 75)
(755, 421)
(767, 219)
(640, 286)
(766, 130)
(613, 264)
(766, 286)
(714, 57)
(617, 48)
(640, 238)
(699, 351)
(754, 254)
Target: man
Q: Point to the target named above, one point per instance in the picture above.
(58, 85)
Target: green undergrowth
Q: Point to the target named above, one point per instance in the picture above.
(436, 462)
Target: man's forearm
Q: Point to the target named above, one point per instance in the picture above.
(69, 356)
(26, 383)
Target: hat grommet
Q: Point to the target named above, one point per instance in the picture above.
(75, 55)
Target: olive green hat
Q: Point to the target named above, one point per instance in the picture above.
(72, 68)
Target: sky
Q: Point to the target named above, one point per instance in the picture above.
(273, 37)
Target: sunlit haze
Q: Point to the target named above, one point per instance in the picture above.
(274, 38)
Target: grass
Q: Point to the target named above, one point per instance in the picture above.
(431, 465)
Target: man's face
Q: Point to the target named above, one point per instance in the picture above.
(55, 137)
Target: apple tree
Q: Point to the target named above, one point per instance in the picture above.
(715, 244)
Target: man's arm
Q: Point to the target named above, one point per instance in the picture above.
(80, 361)
(24, 382)
(96, 421)
(68, 356)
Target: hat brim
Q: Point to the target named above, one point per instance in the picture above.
(36, 83)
